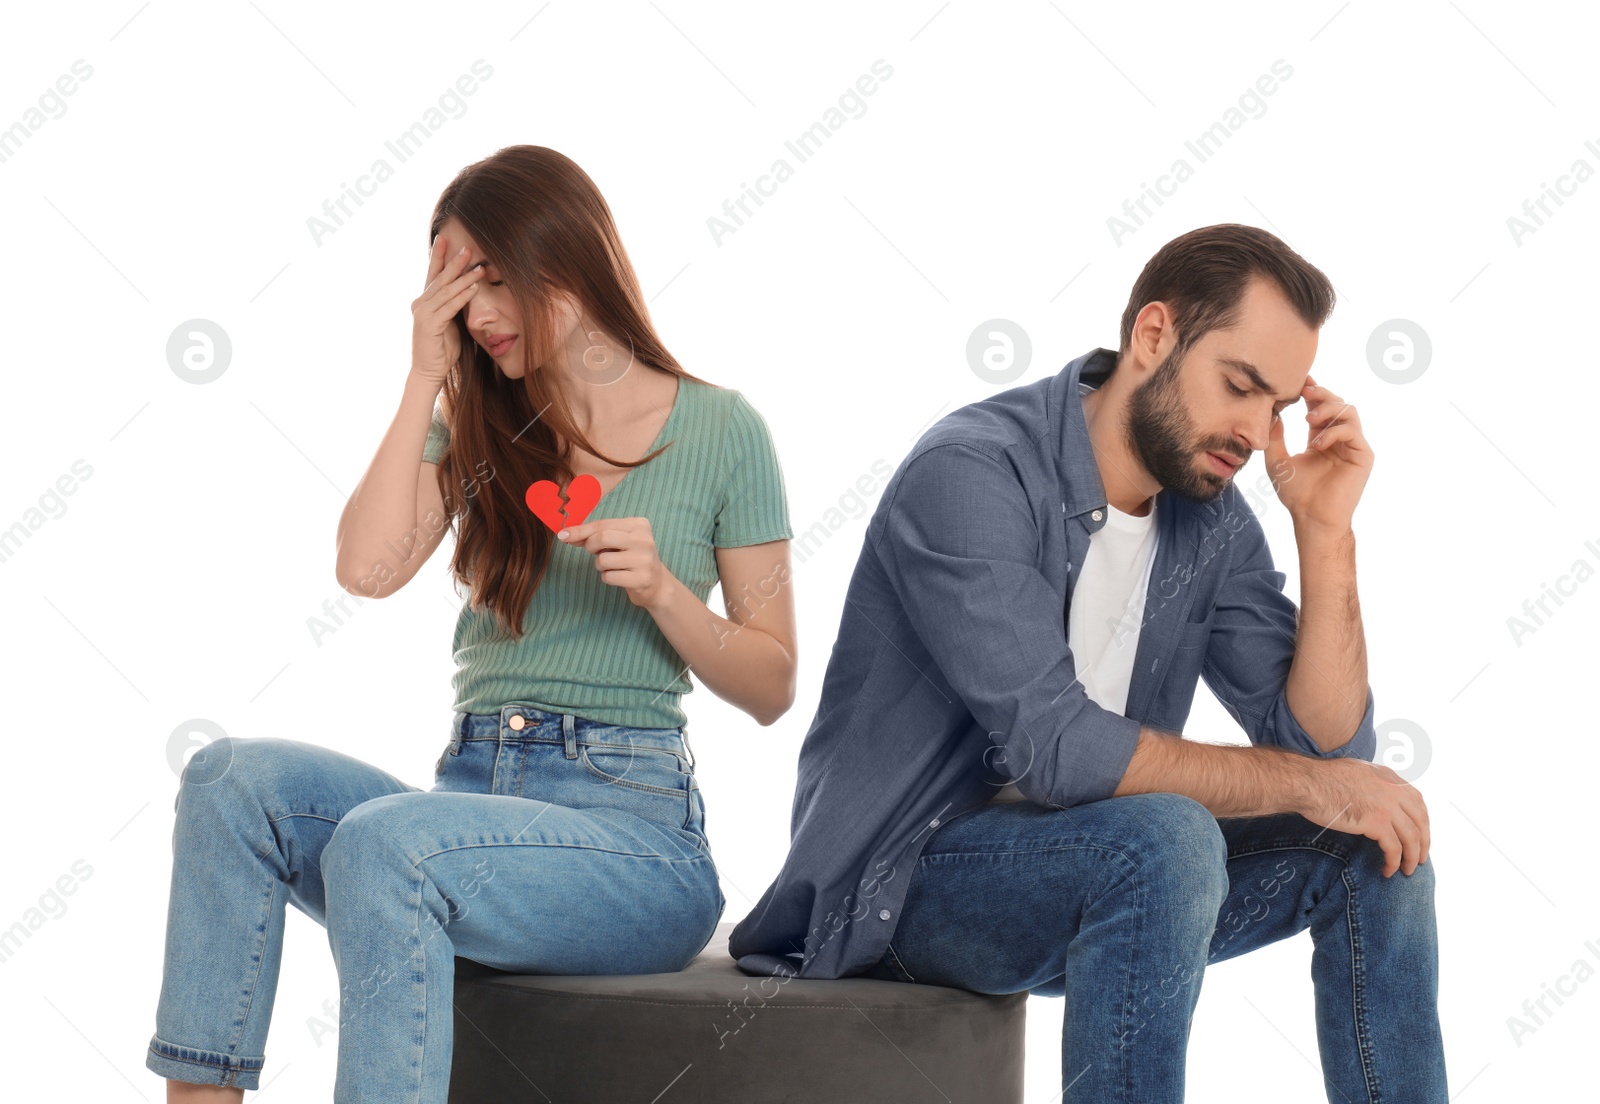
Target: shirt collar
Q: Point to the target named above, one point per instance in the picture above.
(1082, 491)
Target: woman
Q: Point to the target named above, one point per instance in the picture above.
(564, 832)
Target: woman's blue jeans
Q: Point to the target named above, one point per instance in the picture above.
(1120, 904)
(549, 844)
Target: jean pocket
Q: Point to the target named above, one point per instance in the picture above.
(896, 966)
(887, 968)
(648, 770)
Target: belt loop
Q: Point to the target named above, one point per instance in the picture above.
(569, 731)
(458, 733)
(683, 734)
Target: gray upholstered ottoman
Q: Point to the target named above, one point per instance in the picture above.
(713, 1035)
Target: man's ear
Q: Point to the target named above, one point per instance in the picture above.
(1152, 339)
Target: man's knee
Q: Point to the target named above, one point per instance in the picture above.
(1178, 837)
(1416, 887)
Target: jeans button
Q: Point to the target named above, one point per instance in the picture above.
(517, 721)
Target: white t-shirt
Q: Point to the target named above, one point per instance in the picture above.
(1106, 613)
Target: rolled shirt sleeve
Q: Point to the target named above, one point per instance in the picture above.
(959, 543)
(1251, 648)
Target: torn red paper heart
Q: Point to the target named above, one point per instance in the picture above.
(544, 499)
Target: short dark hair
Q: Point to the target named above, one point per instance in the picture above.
(1202, 276)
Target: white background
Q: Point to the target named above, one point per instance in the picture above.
(179, 580)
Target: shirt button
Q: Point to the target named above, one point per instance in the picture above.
(517, 721)
(883, 914)
(935, 823)
(1095, 515)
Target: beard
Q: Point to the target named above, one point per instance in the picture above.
(1162, 436)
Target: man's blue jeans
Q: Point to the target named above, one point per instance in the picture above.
(549, 844)
(1120, 904)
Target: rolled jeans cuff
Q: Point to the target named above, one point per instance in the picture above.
(203, 1067)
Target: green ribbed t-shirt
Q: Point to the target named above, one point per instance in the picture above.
(586, 649)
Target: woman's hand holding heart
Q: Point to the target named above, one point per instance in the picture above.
(625, 555)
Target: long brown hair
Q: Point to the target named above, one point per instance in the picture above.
(539, 219)
(1202, 275)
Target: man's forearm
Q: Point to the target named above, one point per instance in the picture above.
(1229, 780)
(1327, 685)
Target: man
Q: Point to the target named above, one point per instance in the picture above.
(994, 794)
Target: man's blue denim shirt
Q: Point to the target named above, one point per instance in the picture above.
(951, 674)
